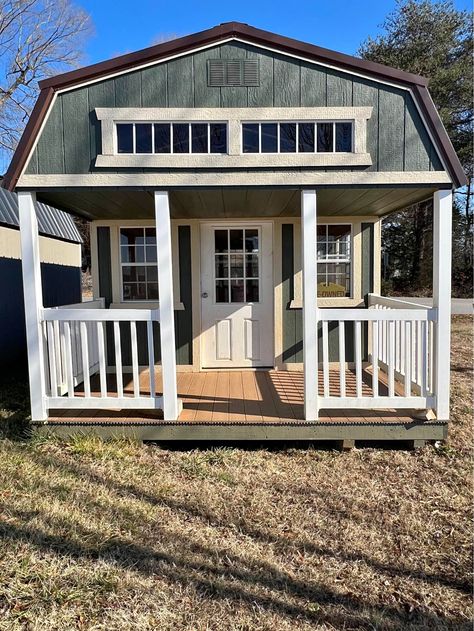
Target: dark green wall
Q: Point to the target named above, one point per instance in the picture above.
(61, 285)
(183, 319)
(292, 320)
(397, 139)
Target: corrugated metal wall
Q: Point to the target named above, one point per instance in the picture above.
(61, 285)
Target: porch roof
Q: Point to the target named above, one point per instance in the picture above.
(235, 202)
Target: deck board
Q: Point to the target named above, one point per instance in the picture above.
(236, 397)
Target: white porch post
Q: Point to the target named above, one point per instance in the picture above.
(171, 405)
(310, 311)
(442, 218)
(33, 299)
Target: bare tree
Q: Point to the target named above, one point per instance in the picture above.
(38, 38)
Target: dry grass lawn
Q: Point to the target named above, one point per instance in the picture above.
(122, 536)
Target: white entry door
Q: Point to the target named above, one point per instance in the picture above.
(236, 295)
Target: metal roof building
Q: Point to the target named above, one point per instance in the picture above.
(52, 222)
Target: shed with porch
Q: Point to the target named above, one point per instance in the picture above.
(236, 181)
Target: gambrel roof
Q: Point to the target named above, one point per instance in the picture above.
(241, 32)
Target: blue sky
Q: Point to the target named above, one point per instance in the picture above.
(122, 26)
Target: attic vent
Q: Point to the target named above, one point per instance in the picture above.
(232, 72)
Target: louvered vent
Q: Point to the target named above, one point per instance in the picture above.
(232, 72)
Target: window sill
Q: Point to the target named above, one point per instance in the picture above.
(330, 303)
(136, 304)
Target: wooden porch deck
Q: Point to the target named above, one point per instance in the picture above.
(234, 397)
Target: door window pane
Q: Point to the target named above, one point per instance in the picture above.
(269, 138)
(250, 138)
(221, 240)
(236, 240)
(143, 138)
(222, 266)
(343, 136)
(125, 138)
(180, 138)
(306, 137)
(287, 137)
(162, 138)
(252, 290)
(218, 132)
(237, 291)
(222, 291)
(199, 138)
(237, 265)
(325, 137)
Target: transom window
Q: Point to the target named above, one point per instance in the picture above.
(165, 137)
(138, 264)
(334, 260)
(237, 267)
(294, 137)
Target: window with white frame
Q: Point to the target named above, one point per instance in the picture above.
(138, 266)
(334, 260)
(298, 137)
(165, 137)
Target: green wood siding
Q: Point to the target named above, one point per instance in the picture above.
(367, 259)
(397, 139)
(183, 319)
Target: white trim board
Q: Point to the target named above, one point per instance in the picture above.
(288, 178)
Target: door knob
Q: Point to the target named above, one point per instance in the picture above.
(204, 294)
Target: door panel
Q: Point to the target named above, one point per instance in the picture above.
(237, 295)
(252, 339)
(223, 339)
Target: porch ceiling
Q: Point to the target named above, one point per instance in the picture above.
(232, 202)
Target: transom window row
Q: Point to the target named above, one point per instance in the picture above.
(293, 137)
(171, 137)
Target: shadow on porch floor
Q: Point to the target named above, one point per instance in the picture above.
(262, 396)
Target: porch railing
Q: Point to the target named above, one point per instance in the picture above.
(54, 340)
(381, 357)
(75, 340)
(391, 358)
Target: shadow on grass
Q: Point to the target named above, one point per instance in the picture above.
(15, 406)
(218, 576)
(215, 572)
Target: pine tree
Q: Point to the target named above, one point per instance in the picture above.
(435, 40)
